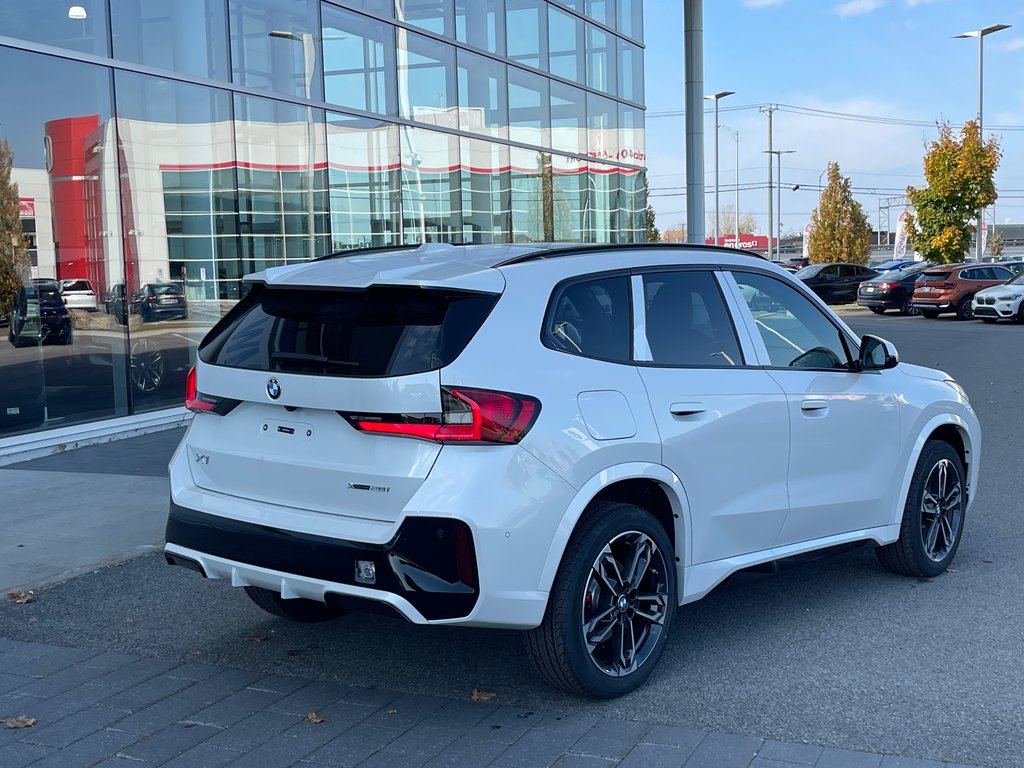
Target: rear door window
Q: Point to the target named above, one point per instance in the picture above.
(374, 332)
(591, 318)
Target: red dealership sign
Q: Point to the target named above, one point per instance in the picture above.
(26, 207)
(747, 242)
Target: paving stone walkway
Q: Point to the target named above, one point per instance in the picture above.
(115, 710)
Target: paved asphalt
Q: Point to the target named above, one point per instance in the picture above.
(836, 653)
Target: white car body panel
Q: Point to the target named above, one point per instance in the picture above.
(749, 476)
(1008, 299)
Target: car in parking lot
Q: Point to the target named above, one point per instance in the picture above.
(567, 440)
(78, 294)
(1001, 302)
(951, 288)
(40, 315)
(160, 301)
(894, 264)
(891, 290)
(835, 283)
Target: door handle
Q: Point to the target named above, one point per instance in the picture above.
(687, 409)
(814, 406)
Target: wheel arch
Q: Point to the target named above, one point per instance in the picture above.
(651, 486)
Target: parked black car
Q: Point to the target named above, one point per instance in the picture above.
(160, 301)
(114, 303)
(40, 315)
(835, 283)
(891, 290)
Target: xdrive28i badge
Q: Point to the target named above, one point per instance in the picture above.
(273, 389)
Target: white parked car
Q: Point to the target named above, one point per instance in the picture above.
(571, 441)
(1001, 302)
(78, 294)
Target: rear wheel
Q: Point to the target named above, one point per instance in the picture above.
(611, 605)
(878, 310)
(908, 307)
(931, 314)
(1020, 313)
(933, 517)
(296, 609)
(965, 310)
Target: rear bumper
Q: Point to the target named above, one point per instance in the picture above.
(427, 572)
(941, 305)
(879, 300)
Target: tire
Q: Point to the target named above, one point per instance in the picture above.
(931, 314)
(1020, 314)
(989, 320)
(964, 310)
(617, 532)
(878, 310)
(908, 308)
(297, 609)
(911, 554)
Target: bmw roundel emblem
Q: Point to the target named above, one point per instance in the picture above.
(273, 389)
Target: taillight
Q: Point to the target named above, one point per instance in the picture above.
(197, 402)
(885, 286)
(467, 416)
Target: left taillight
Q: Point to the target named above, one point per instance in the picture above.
(467, 416)
(197, 402)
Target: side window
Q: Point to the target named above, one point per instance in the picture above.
(848, 270)
(795, 332)
(830, 271)
(970, 274)
(1000, 273)
(687, 322)
(592, 319)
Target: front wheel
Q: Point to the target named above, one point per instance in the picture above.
(933, 517)
(965, 309)
(297, 609)
(611, 606)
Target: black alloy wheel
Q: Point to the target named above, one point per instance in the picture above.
(965, 310)
(146, 365)
(908, 308)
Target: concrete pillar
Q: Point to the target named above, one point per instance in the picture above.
(693, 44)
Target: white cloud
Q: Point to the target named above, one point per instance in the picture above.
(1015, 44)
(857, 7)
(912, 3)
(762, 3)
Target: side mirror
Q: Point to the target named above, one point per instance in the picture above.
(877, 354)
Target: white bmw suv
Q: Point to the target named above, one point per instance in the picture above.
(567, 440)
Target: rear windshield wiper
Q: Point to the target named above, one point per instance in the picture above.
(304, 357)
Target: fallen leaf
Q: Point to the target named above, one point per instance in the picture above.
(314, 718)
(482, 695)
(19, 722)
(20, 597)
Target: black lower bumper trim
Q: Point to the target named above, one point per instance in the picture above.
(430, 562)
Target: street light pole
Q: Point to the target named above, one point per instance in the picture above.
(715, 97)
(768, 111)
(778, 155)
(736, 222)
(980, 34)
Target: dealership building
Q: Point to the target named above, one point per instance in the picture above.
(189, 143)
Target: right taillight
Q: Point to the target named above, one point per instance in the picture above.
(197, 402)
(467, 416)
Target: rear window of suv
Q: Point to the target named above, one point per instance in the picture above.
(373, 332)
(934, 277)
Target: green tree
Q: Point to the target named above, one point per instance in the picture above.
(652, 234)
(840, 227)
(14, 264)
(959, 169)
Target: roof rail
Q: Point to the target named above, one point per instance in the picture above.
(368, 249)
(552, 250)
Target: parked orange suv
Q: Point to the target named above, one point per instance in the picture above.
(951, 287)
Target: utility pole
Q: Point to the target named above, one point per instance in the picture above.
(771, 225)
(716, 97)
(778, 155)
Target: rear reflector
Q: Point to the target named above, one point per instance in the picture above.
(468, 416)
(197, 402)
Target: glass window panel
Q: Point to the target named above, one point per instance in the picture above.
(531, 196)
(432, 15)
(431, 187)
(569, 199)
(631, 18)
(568, 118)
(188, 36)
(63, 366)
(483, 95)
(631, 72)
(427, 88)
(274, 46)
(526, 31)
(379, 7)
(601, 59)
(632, 144)
(592, 319)
(359, 62)
(365, 188)
(481, 23)
(602, 10)
(288, 142)
(486, 192)
(80, 26)
(602, 123)
(634, 205)
(605, 204)
(529, 107)
(566, 45)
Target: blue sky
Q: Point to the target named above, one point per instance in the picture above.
(881, 58)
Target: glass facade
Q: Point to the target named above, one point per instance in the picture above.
(162, 150)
